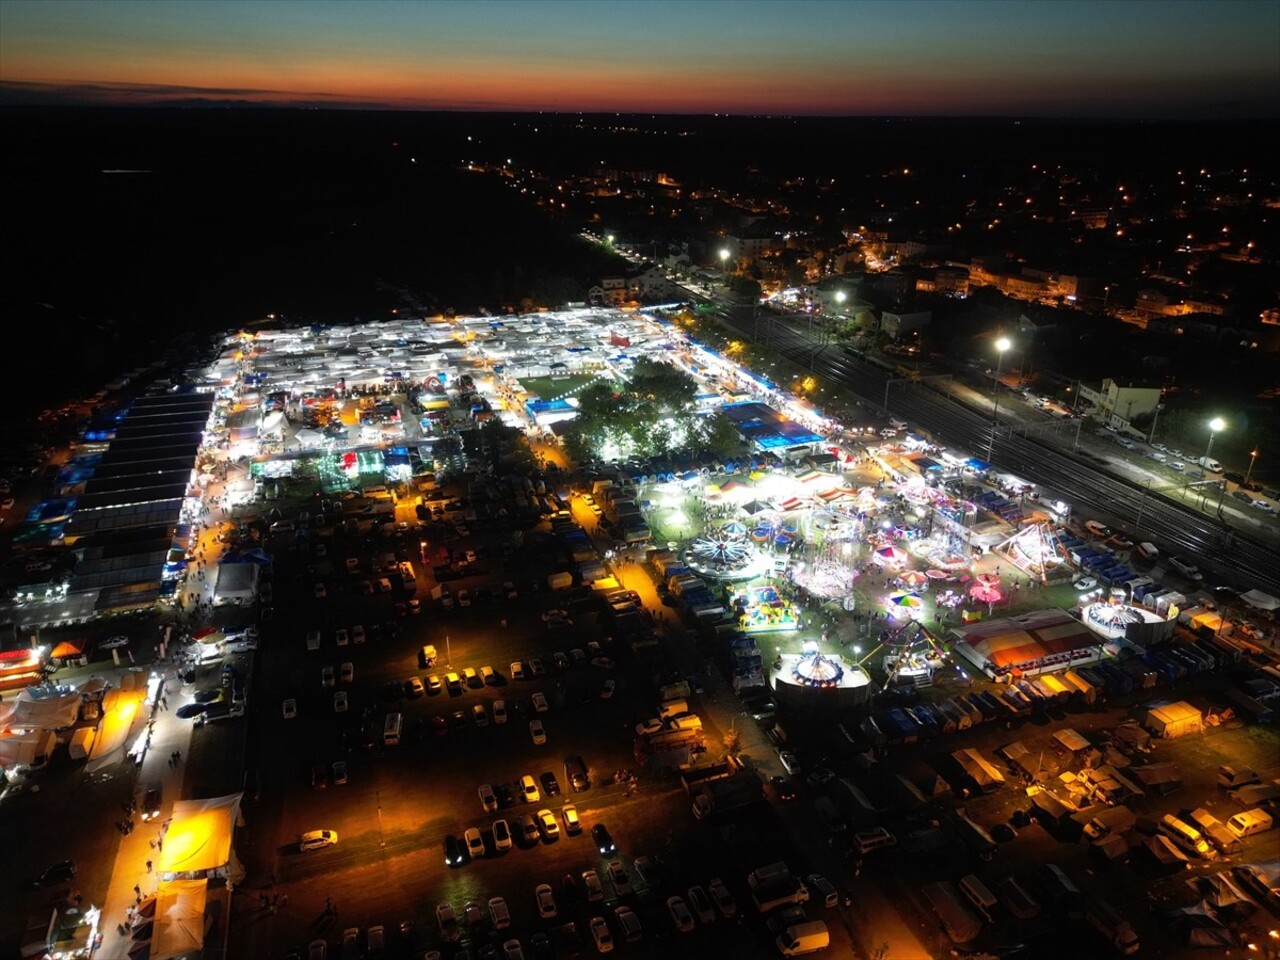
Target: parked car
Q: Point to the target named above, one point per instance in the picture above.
(592, 885)
(680, 914)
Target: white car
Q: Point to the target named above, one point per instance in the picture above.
(517, 670)
(546, 901)
(652, 725)
(317, 840)
(680, 914)
(290, 708)
(537, 732)
(115, 643)
(600, 934)
(475, 843)
(499, 711)
(340, 702)
(1263, 505)
(529, 789)
(1085, 583)
(618, 875)
(591, 883)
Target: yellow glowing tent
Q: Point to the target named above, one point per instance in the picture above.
(179, 919)
(199, 836)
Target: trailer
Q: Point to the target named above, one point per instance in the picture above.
(1172, 720)
(1083, 688)
(956, 918)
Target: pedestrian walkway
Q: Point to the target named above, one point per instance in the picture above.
(134, 876)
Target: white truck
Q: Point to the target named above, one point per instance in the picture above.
(1116, 929)
(802, 938)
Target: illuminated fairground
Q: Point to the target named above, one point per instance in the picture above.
(1031, 550)
(725, 552)
(1112, 617)
(763, 610)
(910, 654)
(813, 678)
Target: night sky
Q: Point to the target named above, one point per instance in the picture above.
(1189, 59)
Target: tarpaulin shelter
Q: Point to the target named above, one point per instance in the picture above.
(40, 709)
(179, 918)
(199, 837)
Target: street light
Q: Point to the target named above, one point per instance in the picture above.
(1216, 424)
(1003, 344)
(1253, 455)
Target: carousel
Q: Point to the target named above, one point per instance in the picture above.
(1111, 617)
(815, 679)
(726, 552)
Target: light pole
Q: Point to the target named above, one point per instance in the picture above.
(1154, 420)
(724, 259)
(1216, 424)
(1253, 455)
(1002, 345)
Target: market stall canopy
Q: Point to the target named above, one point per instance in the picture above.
(65, 649)
(179, 919)
(199, 836)
(40, 710)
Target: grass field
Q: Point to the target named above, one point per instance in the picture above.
(547, 389)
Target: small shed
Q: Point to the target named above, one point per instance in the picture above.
(1172, 720)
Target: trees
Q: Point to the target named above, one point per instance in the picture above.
(653, 413)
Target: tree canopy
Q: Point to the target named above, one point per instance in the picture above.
(653, 413)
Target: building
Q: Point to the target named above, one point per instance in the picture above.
(898, 325)
(1114, 402)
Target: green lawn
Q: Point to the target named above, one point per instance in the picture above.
(544, 388)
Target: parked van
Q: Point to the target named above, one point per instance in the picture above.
(1210, 464)
(803, 938)
(983, 899)
(1250, 822)
(392, 728)
(868, 840)
(1186, 836)
(1215, 831)
(1231, 778)
(1116, 929)
(673, 708)
(688, 721)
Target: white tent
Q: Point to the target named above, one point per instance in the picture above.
(31, 710)
(179, 919)
(1260, 600)
(199, 836)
